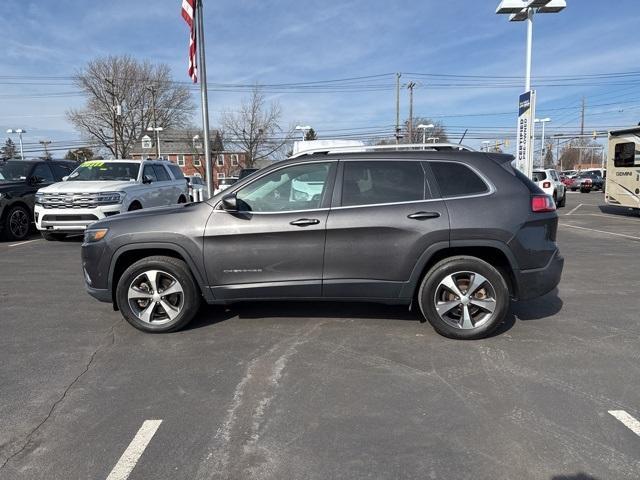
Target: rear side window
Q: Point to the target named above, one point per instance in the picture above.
(161, 173)
(177, 173)
(456, 179)
(539, 176)
(369, 183)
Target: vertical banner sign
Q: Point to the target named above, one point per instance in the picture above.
(526, 114)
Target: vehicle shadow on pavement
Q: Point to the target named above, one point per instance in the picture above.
(212, 314)
(620, 211)
(577, 476)
(538, 308)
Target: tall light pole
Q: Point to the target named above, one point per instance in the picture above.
(543, 121)
(424, 127)
(157, 130)
(19, 132)
(304, 130)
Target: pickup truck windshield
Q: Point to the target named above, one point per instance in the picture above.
(99, 170)
(14, 171)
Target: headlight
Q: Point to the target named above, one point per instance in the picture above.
(39, 197)
(108, 198)
(96, 235)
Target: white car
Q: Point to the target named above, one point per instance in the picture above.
(549, 181)
(102, 188)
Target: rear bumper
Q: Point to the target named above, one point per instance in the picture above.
(540, 281)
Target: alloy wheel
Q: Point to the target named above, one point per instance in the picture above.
(19, 223)
(156, 297)
(465, 300)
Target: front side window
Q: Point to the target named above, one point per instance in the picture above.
(625, 155)
(150, 173)
(370, 183)
(456, 179)
(299, 187)
(99, 170)
(43, 173)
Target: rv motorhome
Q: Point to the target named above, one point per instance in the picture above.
(623, 168)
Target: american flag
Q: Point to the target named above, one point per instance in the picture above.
(188, 13)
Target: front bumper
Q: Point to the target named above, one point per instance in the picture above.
(72, 220)
(540, 281)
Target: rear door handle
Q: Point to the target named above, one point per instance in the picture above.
(423, 215)
(305, 222)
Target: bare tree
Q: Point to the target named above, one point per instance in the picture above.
(255, 128)
(124, 98)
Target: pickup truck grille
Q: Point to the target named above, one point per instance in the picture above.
(69, 200)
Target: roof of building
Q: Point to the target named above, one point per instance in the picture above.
(173, 142)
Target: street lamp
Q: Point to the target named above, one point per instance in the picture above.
(521, 10)
(542, 149)
(424, 127)
(304, 130)
(19, 132)
(157, 130)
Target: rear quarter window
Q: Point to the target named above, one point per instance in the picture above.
(177, 173)
(457, 180)
(539, 176)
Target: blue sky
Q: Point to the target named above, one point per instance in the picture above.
(284, 41)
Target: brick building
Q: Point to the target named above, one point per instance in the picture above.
(186, 149)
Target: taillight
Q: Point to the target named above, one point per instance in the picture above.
(546, 185)
(542, 203)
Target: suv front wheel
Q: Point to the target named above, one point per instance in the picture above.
(158, 294)
(464, 297)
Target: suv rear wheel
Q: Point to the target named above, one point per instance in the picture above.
(158, 294)
(464, 297)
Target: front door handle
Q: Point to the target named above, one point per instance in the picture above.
(305, 222)
(423, 215)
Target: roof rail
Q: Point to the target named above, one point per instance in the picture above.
(416, 147)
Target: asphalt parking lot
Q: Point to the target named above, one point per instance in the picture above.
(324, 391)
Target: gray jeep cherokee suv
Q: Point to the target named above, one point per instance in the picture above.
(457, 233)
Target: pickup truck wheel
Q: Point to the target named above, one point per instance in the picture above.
(158, 294)
(17, 223)
(53, 236)
(464, 297)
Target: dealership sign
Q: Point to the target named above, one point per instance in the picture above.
(526, 115)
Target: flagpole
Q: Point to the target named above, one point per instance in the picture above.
(202, 73)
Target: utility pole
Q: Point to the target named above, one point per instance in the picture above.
(45, 144)
(582, 119)
(410, 86)
(152, 89)
(398, 75)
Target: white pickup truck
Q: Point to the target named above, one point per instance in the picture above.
(102, 188)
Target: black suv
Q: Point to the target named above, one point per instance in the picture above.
(457, 233)
(19, 182)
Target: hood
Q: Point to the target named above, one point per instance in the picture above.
(136, 216)
(75, 186)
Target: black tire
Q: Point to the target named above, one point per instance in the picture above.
(460, 266)
(53, 236)
(17, 223)
(574, 189)
(585, 190)
(168, 265)
(182, 199)
(135, 206)
(563, 201)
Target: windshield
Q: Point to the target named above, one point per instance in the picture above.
(98, 170)
(14, 171)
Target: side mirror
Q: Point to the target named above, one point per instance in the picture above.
(146, 179)
(230, 202)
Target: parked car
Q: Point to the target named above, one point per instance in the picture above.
(19, 182)
(569, 173)
(224, 183)
(102, 188)
(455, 233)
(596, 178)
(550, 183)
(584, 183)
(196, 184)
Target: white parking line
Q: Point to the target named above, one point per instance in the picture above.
(24, 243)
(628, 421)
(600, 231)
(574, 209)
(134, 451)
